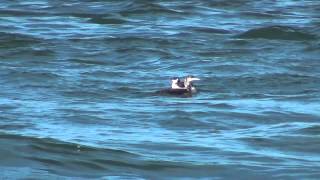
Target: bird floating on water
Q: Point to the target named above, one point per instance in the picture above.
(181, 86)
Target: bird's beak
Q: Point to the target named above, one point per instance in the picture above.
(194, 79)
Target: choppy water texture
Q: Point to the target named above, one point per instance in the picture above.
(78, 80)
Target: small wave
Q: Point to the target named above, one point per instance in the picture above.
(277, 32)
(290, 137)
(71, 159)
(55, 146)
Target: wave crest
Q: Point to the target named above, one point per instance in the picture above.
(277, 32)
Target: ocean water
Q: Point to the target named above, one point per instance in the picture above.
(78, 82)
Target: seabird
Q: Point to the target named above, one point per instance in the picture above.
(188, 83)
(181, 87)
(176, 83)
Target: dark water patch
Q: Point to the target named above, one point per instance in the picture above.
(254, 14)
(32, 76)
(85, 15)
(35, 86)
(41, 24)
(127, 89)
(307, 95)
(227, 52)
(84, 62)
(173, 148)
(87, 119)
(79, 111)
(87, 94)
(8, 107)
(313, 130)
(18, 12)
(227, 4)
(221, 106)
(185, 121)
(233, 119)
(251, 96)
(151, 165)
(272, 83)
(287, 144)
(164, 92)
(67, 159)
(288, 79)
(141, 40)
(46, 161)
(144, 51)
(303, 66)
(278, 33)
(250, 118)
(48, 145)
(229, 68)
(151, 7)
(209, 30)
(165, 168)
(238, 42)
(315, 47)
(101, 76)
(14, 40)
(55, 148)
(21, 55)
(108, 20)
(282, 116)
(98, 93)
(43, 52)
(88, 166)
(14, 126)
